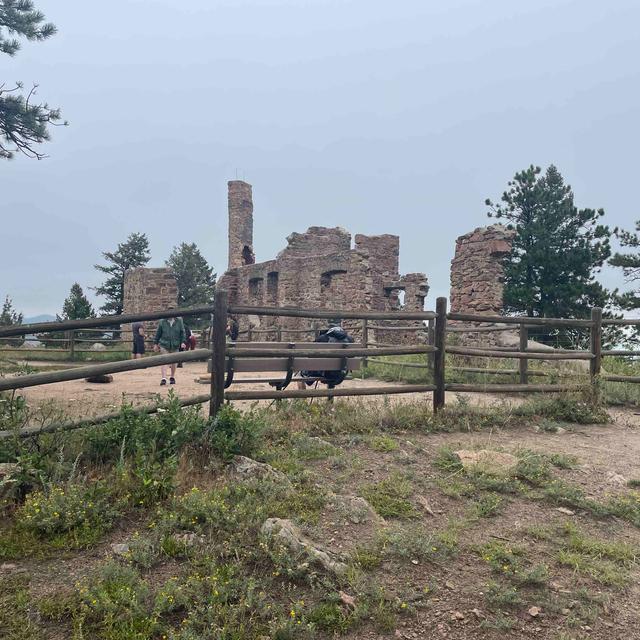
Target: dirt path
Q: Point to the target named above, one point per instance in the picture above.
(79, 398)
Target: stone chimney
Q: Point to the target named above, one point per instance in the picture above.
(240, 224)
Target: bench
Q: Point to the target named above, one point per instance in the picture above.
(288, 365)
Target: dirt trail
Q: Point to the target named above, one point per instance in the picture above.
(79, 398)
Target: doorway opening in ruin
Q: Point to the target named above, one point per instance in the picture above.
(247, 255)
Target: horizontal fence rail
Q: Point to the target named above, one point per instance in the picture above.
(551, 322)
(512, 388)
(89, 422)
(224, 355)
(78, 373)
(527, 355)
(328, 393)
(287, 312)
(112, 320)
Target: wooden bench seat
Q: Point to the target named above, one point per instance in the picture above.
(290, 364)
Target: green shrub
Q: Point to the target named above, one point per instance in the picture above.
(160, 435)
(234, 433)
(65, 508)
(116, 604)
(144, 481)
(489, 505)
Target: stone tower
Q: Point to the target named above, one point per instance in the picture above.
(477, 271)
(240, 224)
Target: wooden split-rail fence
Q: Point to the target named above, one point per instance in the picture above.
(220, 353)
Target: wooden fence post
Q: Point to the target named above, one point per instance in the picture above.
(439, 356)
(365, 341)
(524, 362)
(279, 334)
(431, 341)
(596, 344)
(72, 344)
(249, 334)
(218, 348)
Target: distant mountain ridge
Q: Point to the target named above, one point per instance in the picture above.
(43, 317)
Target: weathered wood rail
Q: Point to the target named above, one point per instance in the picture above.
(434, 348)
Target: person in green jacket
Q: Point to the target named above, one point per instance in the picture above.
(170, 338)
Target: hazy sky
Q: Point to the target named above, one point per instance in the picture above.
(397, 117)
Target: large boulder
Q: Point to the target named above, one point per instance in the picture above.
(284, 531)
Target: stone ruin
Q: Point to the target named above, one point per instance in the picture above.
(318, 269)
(322, 268)
(146, 290)
(477, 279)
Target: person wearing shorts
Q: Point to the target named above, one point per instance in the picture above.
(170, 338)
(137, 350)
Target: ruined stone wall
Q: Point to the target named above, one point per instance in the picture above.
(318, 269)
(240, 201)
(146, 290)
(477, 276)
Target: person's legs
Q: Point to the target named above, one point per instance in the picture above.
(172, 380)
(163, 368)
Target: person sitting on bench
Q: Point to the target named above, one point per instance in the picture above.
(334, 377)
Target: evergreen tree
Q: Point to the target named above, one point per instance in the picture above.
(10, 317)
(23, 123)
(195, 278)
(77, 306)
(557, 249)
(630, 265)
(130, 254)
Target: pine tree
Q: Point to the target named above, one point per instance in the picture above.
(557, 249)
(630, 265)
(77, 306)
(23, 123)
(10, 317)
(195, 278)
(129, 255)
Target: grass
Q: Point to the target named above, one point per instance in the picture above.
(198, 566)
(15, 622)
(390, 497)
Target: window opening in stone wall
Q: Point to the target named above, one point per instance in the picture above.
(255, 289)
(395, 297)
(247, 255)
(272, 289)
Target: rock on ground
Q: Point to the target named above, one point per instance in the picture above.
(287, 533)
(356, 509)
(244, 468)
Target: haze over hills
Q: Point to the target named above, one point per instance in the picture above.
(43, 317)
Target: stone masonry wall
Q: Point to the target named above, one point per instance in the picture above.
(317, 269)
(145, 290)
(477, 275)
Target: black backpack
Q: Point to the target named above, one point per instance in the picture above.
(335, 377)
